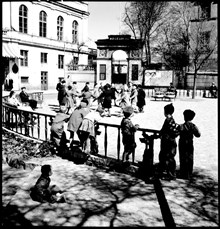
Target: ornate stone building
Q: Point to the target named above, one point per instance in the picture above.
(40, 39)
(119, 60)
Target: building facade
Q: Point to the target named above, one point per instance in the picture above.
(204, 40)
(119, 60)
(40, 39)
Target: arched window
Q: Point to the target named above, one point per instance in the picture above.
(75, 32)
(59, 28)
(23, 19)
(43, 24)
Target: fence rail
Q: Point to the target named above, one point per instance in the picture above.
(20, 121)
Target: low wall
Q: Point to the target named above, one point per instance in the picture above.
(81, 77)
(203, 81)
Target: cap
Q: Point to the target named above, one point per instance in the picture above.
(128, 110)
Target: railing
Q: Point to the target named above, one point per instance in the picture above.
(19, 121)
(80, 68)
(28, 123)
(181, 93)
(118, 144)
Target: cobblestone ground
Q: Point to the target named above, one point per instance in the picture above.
(205, 147)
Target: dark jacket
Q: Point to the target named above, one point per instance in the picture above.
(24, 97)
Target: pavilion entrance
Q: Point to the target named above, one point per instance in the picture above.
(119, 67)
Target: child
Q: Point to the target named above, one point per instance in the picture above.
(168, 133)
(58, 135)
(125, 100)
(128, 133)
(133, 97)
(87, 132)
(107, 100)
(76, 119)
(186, 149)
(42, 192)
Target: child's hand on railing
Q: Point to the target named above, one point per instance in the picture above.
(136, 126)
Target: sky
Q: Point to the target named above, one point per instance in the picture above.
(104, 18)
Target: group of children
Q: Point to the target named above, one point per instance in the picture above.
(168, 133)
(83, 122)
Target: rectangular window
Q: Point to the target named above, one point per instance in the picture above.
(204, 40)
(75, 60)
(102, 72)
(206, 11)
(24, 61)
(43, 30)
(60, 61)
(43, 57)
(24, 79)
(134, 72)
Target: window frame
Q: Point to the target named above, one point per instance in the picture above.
(102, 74)
(24, 61)
(42, 24)
(60, 23)
(23, 19)
(75, 25)
(204, 41)
(134, 72)
(43, 58)
(60, 61)
(24, 79)
(205, 12)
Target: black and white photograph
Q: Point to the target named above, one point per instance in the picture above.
(109, 113)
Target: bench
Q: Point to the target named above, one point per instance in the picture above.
(38, 96)
(163, 94)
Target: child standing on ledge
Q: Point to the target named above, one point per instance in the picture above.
(186, 149)
(168, 134)
(128, 130)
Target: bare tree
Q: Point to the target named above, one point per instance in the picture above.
(143, 20)
(198, 37)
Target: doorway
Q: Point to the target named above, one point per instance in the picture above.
(119, 67)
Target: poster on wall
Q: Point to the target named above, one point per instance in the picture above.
(158, 78)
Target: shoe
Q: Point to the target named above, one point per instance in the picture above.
(61, 200)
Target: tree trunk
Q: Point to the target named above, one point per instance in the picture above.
(194, 85)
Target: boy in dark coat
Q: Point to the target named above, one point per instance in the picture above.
(187, 131)
(168, 134)
(107, 100)
(141, 99)
(62, 94)
(128, 130)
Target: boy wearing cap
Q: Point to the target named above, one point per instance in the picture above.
(187, 131)
(128, 130)
(58, 134)
(168, 133)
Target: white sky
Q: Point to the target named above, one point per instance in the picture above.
(104, 18)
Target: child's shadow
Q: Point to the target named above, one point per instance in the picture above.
(74, 153)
